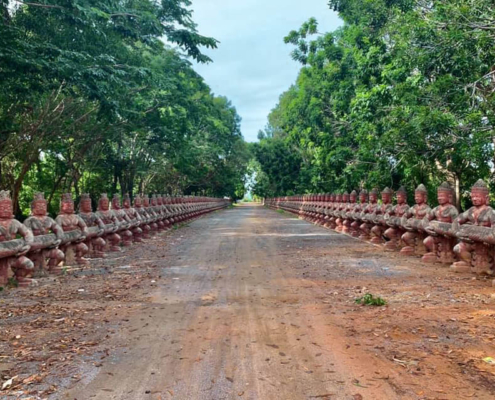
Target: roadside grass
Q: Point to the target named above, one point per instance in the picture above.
(369, 300)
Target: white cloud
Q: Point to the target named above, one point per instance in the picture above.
(252, 65)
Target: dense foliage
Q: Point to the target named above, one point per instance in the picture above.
(99, 95)
(403, 93)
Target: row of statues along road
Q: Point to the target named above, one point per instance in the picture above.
(44, 244)
(466, 241)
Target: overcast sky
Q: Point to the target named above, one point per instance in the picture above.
(252, 65)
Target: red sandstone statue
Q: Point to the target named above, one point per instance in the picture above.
(124, 221)
(367, 215)
(144, 217)
(12, 251)
(96, 227)
(340, 213)
(135, 219)
(356, 213)
(393, 219)
(348, 211)
(380, 227)
(75, 225)
(49, 236)
(412, 221)
(474, 254)
(438, 224)
(111, 223)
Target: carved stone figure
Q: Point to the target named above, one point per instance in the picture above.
(111, 223)
(393, 219)
(135, 219)
(348, 211)
(383, 209)
(412, 221)
(367, 215)
(124, 221)
(143, 215)
(438, 223)
(328, 210)
(96, 228)
(339, 221)
(151, 213)
(470, 226)
(356, 213)
(75, 230)
(334, 211)
(13, 251)
(48, 234)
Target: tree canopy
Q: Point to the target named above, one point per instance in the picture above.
(402, 94)
(101, 96)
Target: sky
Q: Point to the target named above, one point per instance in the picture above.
(252, 65)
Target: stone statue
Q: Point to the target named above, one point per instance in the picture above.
(135, 219)
(96, 228)
(328, 210)
(339, 221)
(348, 211)
(393, 219)
(151, 213)
(412, 222)
(367, 215)
(124, 221)
(143, 215)
(75, 230)
(356, 213)
(334, 211)
(438, 224)
(111, 223)
(13, 251)
(470, 227)
(49, 236)
(377, 232)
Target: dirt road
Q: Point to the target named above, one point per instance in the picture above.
(249, 303)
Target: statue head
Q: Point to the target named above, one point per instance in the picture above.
(138, 202)
(6, 206)
(103, 203)
(159, 200)
(445, 194)
(85, 203)
(374, 196)
(146, 201)
(126, 201)
(387, 194)
(39, 205)
(333, 197)
(67, 204)
(116, 202)
(153, 200)
(363, 196)
(480, 194)
(401, 195)
(420, 195)
(345, 197)
(338, 198)
(353, 196)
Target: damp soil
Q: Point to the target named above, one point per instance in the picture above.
(248, 303)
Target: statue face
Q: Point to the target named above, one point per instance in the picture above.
(419, 198)
(127, 203)
(6, 209)
(479, 198)
(137, 202)
(104, 204)
(67, 207)
(146, 202)
(386, 198)
(362, 198)
(443, 198)
(353, 198)
(345, 198)
(373, 198)
(401, 198)
(115, 204)
(85, 206)
(40, 208)
(153, 202)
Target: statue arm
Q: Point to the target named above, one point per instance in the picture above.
(26, 233)
(82, 225)
(57, 230)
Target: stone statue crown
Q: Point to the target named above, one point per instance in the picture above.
(5, 195)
